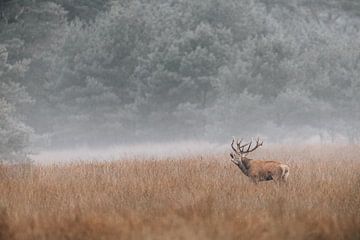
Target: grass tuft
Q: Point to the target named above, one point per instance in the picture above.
(198, 197)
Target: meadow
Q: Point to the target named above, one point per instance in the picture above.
(190, 196)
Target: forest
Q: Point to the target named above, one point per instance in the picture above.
(116, 119)
(107, 72)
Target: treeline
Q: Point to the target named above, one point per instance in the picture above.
(91, 72)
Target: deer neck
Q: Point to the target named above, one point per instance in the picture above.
(243, 168)
(246, 162)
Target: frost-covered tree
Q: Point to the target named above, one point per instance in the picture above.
(14, 134)
(83, 9)
(121, 70)
(151, 64)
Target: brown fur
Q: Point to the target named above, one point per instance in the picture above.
(259, 170)
(266, 170)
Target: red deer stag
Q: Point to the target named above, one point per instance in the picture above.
(257, 170)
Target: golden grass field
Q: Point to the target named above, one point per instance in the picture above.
(190, 197)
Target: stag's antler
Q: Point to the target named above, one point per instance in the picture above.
(258, 144)
(240, 148)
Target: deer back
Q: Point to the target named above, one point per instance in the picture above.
(263, 169)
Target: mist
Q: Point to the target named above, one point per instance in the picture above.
(111, 77)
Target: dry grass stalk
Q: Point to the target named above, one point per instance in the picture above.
(202, 197)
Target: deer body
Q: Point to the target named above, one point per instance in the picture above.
(258, 170)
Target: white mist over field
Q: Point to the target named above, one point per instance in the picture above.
(119, 152)
(160, 150)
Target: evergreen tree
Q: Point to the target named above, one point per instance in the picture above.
(14, 134)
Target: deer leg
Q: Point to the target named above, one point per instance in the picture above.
(284, 173)
(277, 178)
(255, 179)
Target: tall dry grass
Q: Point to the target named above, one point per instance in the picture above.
(198, 197)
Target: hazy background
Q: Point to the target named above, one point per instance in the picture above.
(81, 73)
